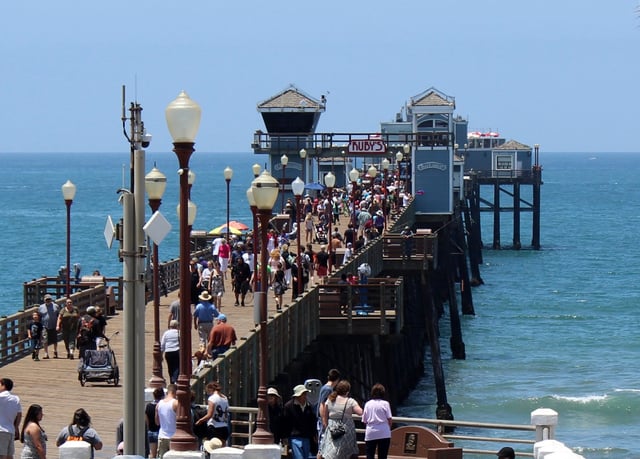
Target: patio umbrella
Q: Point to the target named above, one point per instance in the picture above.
(222, 229)
(314, 186)
(238, 225)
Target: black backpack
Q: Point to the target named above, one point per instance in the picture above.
(197, 413)
(85, 331)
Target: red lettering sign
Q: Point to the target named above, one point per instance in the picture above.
(367, 147)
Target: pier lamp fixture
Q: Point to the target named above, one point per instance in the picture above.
(155, 182)
(298, 188)
(228, 174)
(183, 121)
(406, 148)
(372, 172)
(354, 174)
(265, 194)
(255, 237)
(399, 157)
(385, 170)
(256, 168)
(329, 182)
(68, 193)
(284, 160)
(303, 157)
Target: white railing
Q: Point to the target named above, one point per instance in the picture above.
(536, 439)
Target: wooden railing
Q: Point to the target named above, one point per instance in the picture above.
(290, 332)
(13, 329)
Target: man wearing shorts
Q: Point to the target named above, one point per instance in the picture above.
(10, 416)
(49, 316)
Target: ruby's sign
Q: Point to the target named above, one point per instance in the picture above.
(367, 147)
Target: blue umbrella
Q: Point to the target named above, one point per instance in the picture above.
(314, 186)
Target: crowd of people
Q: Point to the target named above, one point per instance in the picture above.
(79, 331)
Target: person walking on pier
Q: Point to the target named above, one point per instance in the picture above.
(203, 316)
(221, 338)
(339, 439)
(299, 423)
(33, 435)
(49, 317)
(34, 333)
(170, 346)
(166, 410)
(10, 416)
(376, 415)
(217, 417)
(241, 275)
(68, 323)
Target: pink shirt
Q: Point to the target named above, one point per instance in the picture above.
(224, 251)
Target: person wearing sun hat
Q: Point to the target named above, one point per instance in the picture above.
(211, 445)
(299, 423)
(203, 316)
(274, 404)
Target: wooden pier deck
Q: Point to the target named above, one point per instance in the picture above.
(54, 384)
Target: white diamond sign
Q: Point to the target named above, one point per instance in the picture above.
(109, 231)
(157, 227)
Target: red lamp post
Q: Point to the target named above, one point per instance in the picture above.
(354, 175)
(385, 169)
(183, 121)
(68, 193)
(265, 193)
(284, 160)
(330, 181)
(155, 183)
(298, 188)
(228, 174)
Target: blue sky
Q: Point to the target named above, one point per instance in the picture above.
(563, 74)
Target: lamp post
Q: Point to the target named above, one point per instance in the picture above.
(256, 168)
(399, 157)
(265, 193)
(228, 173)
(385, 169)
(406, 148)
(372, 172)
(329, 182)
(303, 157)
(183, 121)
(354, 174)
(155, 182)
(284, 160)
(298, 188)
(68, 193)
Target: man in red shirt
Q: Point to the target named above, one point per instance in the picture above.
(221, 338)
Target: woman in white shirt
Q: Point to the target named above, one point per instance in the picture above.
(377, 417)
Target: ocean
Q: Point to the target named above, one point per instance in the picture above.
(558, 328)
(555, 328)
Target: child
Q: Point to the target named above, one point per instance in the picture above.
(34, 333)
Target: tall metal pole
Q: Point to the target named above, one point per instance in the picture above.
(183, 440)
(68, 204)
(228, 229)
(300, 283)
(262, 435)
(157, 380)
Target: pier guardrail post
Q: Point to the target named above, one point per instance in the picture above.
(545, 420)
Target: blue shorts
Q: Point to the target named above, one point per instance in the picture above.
(152, 437)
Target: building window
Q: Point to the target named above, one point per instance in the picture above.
(504, 162)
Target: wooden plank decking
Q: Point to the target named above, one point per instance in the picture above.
(54, 384)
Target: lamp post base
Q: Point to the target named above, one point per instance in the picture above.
(156, 379)
(183, 439)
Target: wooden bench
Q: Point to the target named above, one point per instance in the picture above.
(419, 442)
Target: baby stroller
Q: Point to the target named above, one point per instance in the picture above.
(321, 234)
(99, 365)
